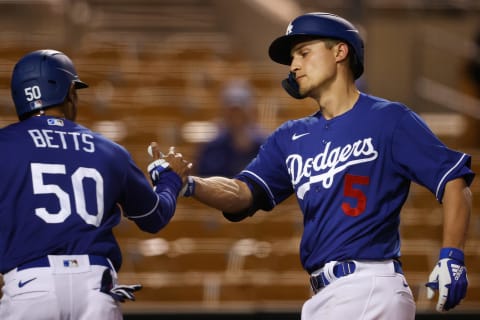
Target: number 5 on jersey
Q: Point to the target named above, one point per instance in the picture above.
(351, 190)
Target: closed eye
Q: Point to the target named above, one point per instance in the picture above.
(304, 53)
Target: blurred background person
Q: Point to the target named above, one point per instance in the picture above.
(239, 135)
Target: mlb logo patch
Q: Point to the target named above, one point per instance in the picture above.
(36, 104)
(55, 122)
(70, 263)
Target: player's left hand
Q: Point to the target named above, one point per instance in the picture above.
(449, 277)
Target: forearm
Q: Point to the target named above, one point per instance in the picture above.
(457, 204)
(224, 194)
(167, 189)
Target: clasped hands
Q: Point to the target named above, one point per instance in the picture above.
(172, 160)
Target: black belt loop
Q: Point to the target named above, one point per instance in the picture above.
(397, 266)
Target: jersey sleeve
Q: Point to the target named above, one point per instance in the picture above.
(150, 208)
(268, 171)
(420, 156)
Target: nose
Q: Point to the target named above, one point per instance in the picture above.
(294, 65)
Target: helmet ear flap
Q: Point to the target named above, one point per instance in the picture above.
(356, 65)
(291, 86)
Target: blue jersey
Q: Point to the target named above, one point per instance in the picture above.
(351, 176)
(64, 188)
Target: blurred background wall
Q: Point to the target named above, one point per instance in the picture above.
(155, 68)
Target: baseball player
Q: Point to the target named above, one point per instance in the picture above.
(63, 190)
(350, 166)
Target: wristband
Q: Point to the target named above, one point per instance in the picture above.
(452, 253)
(189, 188)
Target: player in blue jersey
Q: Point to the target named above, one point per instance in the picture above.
(350, 165)
(63, 189)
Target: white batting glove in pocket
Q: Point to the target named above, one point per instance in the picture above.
(123, 292)
(119, 292)
(449, 277)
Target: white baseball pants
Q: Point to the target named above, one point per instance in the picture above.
(60, 291)
(373, 291)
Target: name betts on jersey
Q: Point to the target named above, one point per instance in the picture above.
(59, 139)
(328, 163)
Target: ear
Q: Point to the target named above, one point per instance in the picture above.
(341, 51)
(72, 93)
(70, 104)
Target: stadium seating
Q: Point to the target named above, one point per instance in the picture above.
(144, 93)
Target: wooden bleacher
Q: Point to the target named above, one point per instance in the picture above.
(200, 259)
(212, 269)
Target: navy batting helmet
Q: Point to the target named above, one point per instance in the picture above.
(318, 25)
(42, 79)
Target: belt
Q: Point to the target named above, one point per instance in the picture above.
(44, 262)
(342, 269)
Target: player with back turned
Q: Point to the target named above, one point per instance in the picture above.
(350, 166)
(63, 189)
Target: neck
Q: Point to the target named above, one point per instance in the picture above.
(336, 102)
(54, 112)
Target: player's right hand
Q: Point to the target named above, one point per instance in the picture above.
(172, 160)
(156, 169)
(449, 277)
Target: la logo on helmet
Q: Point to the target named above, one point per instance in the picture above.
(289, 29)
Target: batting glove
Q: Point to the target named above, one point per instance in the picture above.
(189, 188)
(156, 169)
(119, 292)
(449, 277)
(123, 292)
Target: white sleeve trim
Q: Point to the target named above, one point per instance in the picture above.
(446, 174)
(148, 213)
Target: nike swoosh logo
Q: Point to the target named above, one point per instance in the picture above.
(298, 136)
(22, 284)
